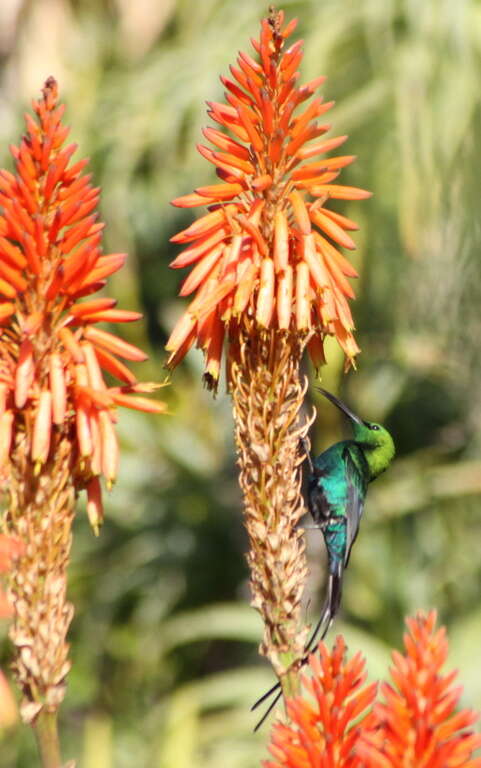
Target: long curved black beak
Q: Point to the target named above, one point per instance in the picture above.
(339, 404)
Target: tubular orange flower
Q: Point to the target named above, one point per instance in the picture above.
(415, 726)
(52, 358)
(269, 210)
(324, 731)
(417, 723)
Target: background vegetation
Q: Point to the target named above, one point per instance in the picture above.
(164, 643)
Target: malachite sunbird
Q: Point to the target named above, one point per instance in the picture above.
(337, 487)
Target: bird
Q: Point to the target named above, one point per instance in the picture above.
(336, 491)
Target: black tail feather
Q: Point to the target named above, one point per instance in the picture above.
(269, 710)
(265, 696)
(329, 610)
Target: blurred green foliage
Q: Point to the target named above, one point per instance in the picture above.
(163, 642)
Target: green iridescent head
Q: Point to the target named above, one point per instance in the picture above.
(374, 439)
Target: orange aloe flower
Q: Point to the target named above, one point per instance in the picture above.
(415, 727)
(417, 723)
(53, 358)
(323, 731)
(268, 248)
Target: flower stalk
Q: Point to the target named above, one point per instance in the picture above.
(57, 413)
(267, 281)
(267, 395)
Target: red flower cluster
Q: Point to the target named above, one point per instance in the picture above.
(417, 724)
(52, 355)
(266, 248)
(415, 727)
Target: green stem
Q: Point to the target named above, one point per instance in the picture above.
(46, 733)
(290, 683)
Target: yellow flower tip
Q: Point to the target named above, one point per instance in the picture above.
(37, 468)
(95, 511)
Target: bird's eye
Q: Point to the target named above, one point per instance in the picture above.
(374, 427)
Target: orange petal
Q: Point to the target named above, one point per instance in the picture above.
(81, 261)
(284, 298)
(71, 344)
(201, 270)
(95, 512)
(337, 274)
(343, 221)
(112, 316)
(332, 229)
(140, 403)
(110, 448)
(320, 147)
(181, 331)
(7, 289)
(195, 252)
(42, 428)
(220, 191)
(306, 90)
(342, 307)
(104, 267)
(265, 297)
(301, 213)
(178, 355)
(326, 247)
(24, 374)
(260, 183)
(247, 223)
(347, 342)
(315, 347)
(58, 388)
(339, 192)
(281, 241)
(289, 29)
(77, 233)
(114, 366)
(7, 309)
(94, 373)
(90, 307)
(213, 351)
(113, 344)
(245, 289)
(314, 262)
(303, 309)
(230, 170)
(225, 142)
(200, 306)
(12, 254)
(189, 201)
(201, 227)
(254, 137)
(82, 420)
(315, 109)
(312, 132)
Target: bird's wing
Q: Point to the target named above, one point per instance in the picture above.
(355, 500)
